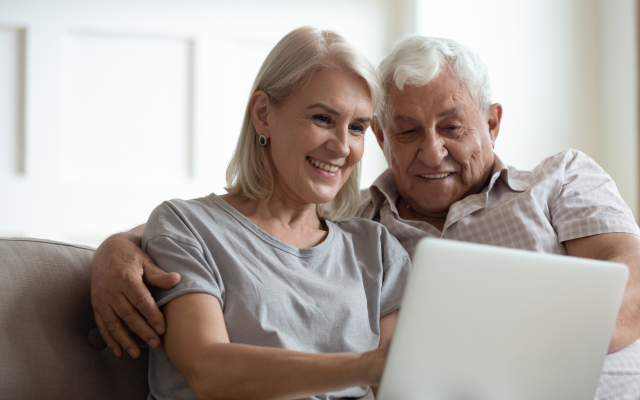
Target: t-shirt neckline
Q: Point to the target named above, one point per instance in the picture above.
(273, 241)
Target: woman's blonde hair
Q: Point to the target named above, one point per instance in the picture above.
(287, 68)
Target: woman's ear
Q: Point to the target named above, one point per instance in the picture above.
(260, 108)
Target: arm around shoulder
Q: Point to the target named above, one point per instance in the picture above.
(118, 292)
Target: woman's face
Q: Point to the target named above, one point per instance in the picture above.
(316, 137)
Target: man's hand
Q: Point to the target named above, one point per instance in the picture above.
(118, 293)
(623, 248)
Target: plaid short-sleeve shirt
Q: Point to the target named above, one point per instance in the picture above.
(567, 196)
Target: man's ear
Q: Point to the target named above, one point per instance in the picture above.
(376, 127)
(494, 116)
(260, 108)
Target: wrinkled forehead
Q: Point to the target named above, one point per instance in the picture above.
(441, 95)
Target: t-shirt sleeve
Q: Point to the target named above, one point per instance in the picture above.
(170, 243)
(397, 265)
(589, 203)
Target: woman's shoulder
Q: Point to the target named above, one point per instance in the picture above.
(371, 236)
(180, 210)
(357, 224)
(180, 218)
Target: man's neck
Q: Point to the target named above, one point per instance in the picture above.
(407, 213)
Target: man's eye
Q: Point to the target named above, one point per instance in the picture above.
(322, 118)
(453, 127)
(407, 132)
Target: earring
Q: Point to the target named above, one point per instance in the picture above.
(262, 139)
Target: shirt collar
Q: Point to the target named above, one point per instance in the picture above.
(384, 189)
(509, 175)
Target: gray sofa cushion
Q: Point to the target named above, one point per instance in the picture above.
(48, 339)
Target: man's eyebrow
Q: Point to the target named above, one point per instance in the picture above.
(450, 111)
(403, 118)
(335, 112)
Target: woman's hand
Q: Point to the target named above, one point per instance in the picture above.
(118, 293)
(373, 364)
(378, 359)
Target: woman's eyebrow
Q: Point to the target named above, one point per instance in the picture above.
(336, 113)
(324, 107)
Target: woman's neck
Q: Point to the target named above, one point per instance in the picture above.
(284, 218)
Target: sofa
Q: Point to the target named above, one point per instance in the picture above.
(50, 347)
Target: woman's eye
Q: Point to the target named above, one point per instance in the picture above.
(322, 118)
(357, 128)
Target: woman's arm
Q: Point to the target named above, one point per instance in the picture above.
(197, 344)
(118, 292)
(387, 326)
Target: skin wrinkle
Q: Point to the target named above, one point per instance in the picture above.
(437, 128)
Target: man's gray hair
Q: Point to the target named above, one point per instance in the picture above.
(417, 60)
(285, 71)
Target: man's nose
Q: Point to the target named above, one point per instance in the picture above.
(432, 149)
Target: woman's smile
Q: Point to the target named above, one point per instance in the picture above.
(325, 168)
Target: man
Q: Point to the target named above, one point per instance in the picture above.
(438, 129)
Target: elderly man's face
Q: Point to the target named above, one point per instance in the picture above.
(438, 144)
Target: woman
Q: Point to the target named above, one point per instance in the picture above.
(276, 301)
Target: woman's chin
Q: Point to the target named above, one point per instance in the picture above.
(323, 198)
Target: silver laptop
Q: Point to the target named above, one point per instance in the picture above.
(486, 323)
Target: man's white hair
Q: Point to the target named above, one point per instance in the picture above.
(417, 60)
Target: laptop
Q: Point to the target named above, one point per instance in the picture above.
(479, 322)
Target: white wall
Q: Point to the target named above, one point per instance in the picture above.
(565, 72)
(108, 107)
(618, 138)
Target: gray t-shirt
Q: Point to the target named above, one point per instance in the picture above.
(324, 299)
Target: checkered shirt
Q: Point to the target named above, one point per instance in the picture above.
(567, 196)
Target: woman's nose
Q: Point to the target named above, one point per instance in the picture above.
(339, 143)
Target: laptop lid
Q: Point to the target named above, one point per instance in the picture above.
(479, 322)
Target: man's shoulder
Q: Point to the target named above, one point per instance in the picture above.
(557, 165)
(567, 159)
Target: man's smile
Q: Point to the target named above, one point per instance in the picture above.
(436, 176)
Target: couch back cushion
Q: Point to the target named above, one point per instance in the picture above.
(49, 344)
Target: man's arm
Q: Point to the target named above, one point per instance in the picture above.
(623, 248)
(118, 292)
